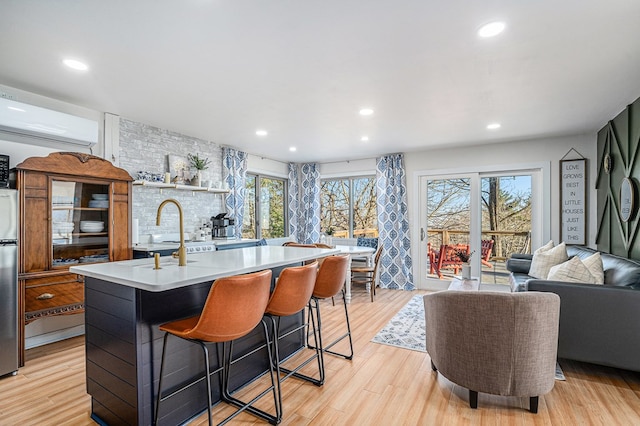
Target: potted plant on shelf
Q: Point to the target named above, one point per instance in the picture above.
(199, 164)
(465, 257)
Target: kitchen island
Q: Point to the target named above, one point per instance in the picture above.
(126, 301)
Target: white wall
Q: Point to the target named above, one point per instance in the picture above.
(511, 154)
(266, 166)
(18, 152)
(362, 167)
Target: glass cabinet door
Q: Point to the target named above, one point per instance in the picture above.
(79, 222)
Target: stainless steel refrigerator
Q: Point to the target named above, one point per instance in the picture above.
(8, 281)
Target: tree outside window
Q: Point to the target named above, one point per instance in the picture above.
(348, 207)
(264, 207)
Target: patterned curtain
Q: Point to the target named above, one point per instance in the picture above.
(293, 205)
(234, 173)
(393, 223)
(304, 202)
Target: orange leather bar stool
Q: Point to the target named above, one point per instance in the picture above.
(291, 294)
(329, 282)
(234, 307)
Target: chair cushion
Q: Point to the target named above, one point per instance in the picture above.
(573, 271)
(367, 242)
(546, 257)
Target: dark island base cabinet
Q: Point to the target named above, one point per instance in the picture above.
(124, 349)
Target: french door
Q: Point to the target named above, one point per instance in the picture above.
(489, 214)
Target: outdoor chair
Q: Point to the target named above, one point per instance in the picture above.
(486, 247)
(446, 258)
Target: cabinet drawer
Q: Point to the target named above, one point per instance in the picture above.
(53, 296)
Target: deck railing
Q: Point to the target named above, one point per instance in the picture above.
(505, 242)
(368, 232)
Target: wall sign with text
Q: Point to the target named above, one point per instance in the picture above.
(573, 201)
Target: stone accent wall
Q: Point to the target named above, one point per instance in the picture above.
(145, 148)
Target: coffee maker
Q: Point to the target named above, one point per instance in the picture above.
(223, 227)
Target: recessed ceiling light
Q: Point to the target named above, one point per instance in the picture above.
(293, 149)
(366, 111)
(75, 64)
(491, 29)
(16, 109)
(493, 126)
(364, 138)
(261, 132)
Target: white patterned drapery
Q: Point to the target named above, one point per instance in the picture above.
(304, 202)
(234, 173)
(393, 223)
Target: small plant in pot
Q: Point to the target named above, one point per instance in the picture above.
(199, 164)
(465, 257)
(329, 239)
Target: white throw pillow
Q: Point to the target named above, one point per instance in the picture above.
(573, 271)
(546, 257)
(594, 264)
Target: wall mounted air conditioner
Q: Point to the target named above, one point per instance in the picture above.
(44, 125)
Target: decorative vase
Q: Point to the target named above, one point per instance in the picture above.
(466, 271)
(197, 178)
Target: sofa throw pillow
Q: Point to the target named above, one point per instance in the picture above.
(594, 264)
(573, 271)
(546, 257)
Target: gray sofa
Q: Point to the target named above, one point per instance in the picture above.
(599, 324)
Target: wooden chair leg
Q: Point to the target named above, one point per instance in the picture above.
(473, 399)
(533, 404)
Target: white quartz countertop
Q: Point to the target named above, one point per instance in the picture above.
(201, 267)
(174, 246)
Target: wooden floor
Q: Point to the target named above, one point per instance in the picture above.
(382, 385)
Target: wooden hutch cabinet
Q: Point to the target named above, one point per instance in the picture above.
(74, 208)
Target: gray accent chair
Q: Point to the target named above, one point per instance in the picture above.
(495, 343)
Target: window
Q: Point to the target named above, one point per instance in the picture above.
(264, 207)
(348, 207)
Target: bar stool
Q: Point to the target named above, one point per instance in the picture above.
(329, 282)
(291, 294)
(234, 307)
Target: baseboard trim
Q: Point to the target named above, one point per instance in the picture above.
(54, 336)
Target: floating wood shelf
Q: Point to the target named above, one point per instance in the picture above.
(162, 185)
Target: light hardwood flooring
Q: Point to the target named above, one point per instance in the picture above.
(382, 385)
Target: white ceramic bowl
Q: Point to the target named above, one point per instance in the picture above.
(100, 196)
(99, 203)
(91, 226)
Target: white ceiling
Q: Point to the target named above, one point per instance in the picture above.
(301, 69)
